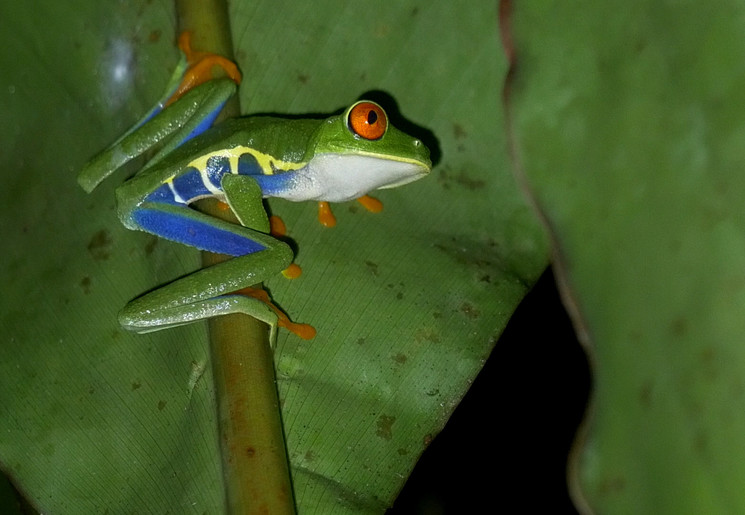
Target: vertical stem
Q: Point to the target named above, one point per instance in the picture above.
(254, 458)
(257, 478)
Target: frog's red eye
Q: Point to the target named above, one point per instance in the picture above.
(367, 120)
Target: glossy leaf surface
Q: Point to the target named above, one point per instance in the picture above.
(629, 130)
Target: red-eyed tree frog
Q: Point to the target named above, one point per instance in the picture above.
(241, 161)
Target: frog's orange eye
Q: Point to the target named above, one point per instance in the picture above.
(367, 120)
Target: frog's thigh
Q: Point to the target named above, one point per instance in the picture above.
(190, 227)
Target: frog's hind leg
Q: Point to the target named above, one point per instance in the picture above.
(214, 290)
(207, 292)
(180, 223)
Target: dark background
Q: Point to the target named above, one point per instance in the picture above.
(505, 447)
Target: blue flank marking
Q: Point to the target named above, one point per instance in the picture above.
(189, 185)
(163, 195)
(217, 166)
(182, 228)
(205, 124)
(248, 165)
(195, 233)
(271, 185)
(275, 185)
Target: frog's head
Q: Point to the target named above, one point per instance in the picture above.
(360, 151)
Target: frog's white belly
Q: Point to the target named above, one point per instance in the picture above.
(338, 178)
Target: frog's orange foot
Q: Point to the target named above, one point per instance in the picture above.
(293, 271)
(277, 227)
(325, 216)
(371, 203)
(200, 67)
(304, 331)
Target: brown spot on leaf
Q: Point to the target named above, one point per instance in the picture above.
(385, 425)
(100, 245)
(402, 452)
(310, 456)
(428, 335)
(679, 327)
(136, 385)
(463, 179)
(645, 394)
(85, 284)
(400, 358)
(470, 311)
(611, 485)
(152, 242)
(250, 452)
(372, 266)
(483, 255)
(161, 405)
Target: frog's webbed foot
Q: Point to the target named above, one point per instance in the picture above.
(304, 331)
(197, 68)
(372, 204)
(326, 216)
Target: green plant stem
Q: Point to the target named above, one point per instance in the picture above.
(254, 458)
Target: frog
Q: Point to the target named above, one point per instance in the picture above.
(240, 162)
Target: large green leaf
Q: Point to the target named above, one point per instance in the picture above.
(407, 303)
(629, 129)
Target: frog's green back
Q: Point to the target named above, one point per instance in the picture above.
(284, 139)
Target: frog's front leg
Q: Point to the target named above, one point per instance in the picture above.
(211, 291)
(190, 115)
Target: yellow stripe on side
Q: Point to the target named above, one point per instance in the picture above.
(268, 163)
